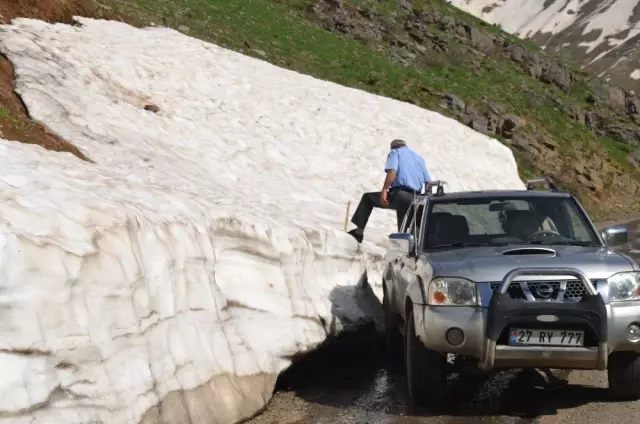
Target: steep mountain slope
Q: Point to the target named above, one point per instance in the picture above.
(427, 52)
(601, 35)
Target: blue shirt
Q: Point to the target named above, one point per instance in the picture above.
(410, 168)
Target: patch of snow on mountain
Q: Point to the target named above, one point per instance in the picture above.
(527, 18)
(174, 278)
(609, 19)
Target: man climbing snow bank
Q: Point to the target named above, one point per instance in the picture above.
(406, 176)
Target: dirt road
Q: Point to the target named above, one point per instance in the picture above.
(351, 382)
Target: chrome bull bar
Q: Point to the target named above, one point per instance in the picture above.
(518, 272)
(598, 357)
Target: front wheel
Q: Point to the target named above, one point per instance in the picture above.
(624, 375)
(426, 369)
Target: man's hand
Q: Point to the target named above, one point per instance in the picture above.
(383, 198)
(384, 193)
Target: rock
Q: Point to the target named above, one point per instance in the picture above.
(406, 4)
(590, 180)
(479, 39)
(260, 52)
(417, 35)
(528, 144)
(453, 102)
(400, 39)
(529, 62)
(633, 105)
(590, 174)
(592, 120)
(538, 67)
(634, 157)
(183, 28)
(364, 24)
(617, 131)
(495, 108)
(509, 125)
(493, 123)
(550, 143)
(438, 42)
(152, 108)
(479, 123)
(416, 27)
(574, 113)
(603, 92)
(556, 74)
(447, 23)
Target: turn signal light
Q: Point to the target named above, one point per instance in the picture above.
(439, 297)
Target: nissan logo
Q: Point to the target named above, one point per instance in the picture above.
(547, 318)
(544, 290)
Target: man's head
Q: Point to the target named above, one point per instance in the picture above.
(397, 143)
(522, 224)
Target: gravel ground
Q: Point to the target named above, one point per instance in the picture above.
(351, 382)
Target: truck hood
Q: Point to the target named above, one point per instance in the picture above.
(491, 264)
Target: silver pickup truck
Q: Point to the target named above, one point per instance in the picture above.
(509, 279)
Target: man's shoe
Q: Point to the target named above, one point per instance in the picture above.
(357, 234)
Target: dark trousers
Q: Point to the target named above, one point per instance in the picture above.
(399, 200)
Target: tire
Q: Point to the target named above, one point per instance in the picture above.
(393, 343)
(624, 375)
(426, 369)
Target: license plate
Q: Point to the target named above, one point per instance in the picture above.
(519, 336)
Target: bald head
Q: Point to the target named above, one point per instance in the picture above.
(397, 143)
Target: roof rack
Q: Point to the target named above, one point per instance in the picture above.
(550, 184)
(428, 188)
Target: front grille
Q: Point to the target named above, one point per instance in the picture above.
(545, 290)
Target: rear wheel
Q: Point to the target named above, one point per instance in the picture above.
(392, 337)
(426, 369)
(624, 375)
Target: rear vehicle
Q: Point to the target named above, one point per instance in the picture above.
(510, 279)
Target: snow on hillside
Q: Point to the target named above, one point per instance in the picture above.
(527, 17)
(177, 275)
(599, 29)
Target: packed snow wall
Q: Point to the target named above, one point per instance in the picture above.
(178, 273)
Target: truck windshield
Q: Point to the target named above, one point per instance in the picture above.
(507, 220)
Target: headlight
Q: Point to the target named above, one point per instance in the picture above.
(451, 291)
(624, 286)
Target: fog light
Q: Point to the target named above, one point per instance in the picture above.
(455, 336)
(633, 333)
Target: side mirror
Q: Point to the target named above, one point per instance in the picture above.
(614, 236)
(402, 243)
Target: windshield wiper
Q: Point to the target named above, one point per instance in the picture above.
(469, 244)
(567, 242)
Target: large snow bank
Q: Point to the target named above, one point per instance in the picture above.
(178, 274)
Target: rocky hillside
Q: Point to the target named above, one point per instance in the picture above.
(601, 35)
(558, 120)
